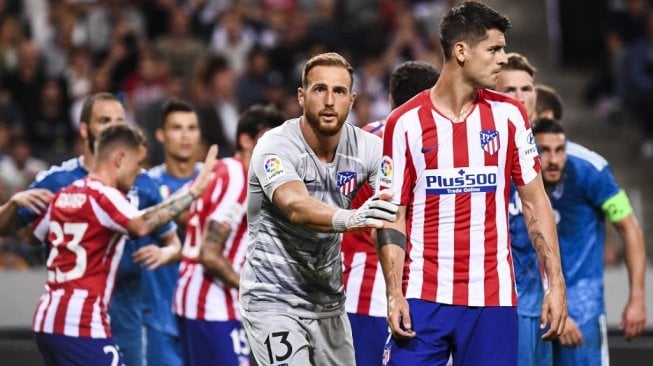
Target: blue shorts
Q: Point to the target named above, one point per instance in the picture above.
(593, 351)
(213, 342)
(370, 335)
(162, 349)
(471, 335)
(532, 350)
(61, 350)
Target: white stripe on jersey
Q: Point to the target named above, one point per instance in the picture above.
(51, 312)
(379, 305)
(476, 289)
(74, 312)
(179, 306)
(97, 327)
(230, 197)
(215, 296)
(40, 311)
(119, 241)
(193, 292)
(586, 154)
(354, 282)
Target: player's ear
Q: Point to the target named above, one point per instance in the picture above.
(245, 141)
(159, 135)
(300, 97)
(83, 130)
(460, 52)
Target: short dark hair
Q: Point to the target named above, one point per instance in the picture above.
(256, 118)
(548, 99)
(172, 106)
(546, 125)
(327, 59)
(119, 134)
(89, 103)
(469, 22)
(520, 63)
(410, 78)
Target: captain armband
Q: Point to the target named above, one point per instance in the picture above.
(390, 236)
(617, 207)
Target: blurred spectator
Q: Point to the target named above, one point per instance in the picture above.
(11, 36)
(218, 109)
(49, 130)
(147, 83)
(233, 39)
(110, 18)
(25, 83)
(56, 50)
(10, 260)
(639, 85)
(250, 87)
(19, 167)
(178, 47)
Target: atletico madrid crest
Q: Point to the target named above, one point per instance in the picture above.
(490, 141)
(346, 182)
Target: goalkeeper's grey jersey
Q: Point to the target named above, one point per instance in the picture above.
(290, 268)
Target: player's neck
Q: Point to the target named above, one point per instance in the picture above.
(324, 147)
(105, 174)
(452, 97)
(244, 156)
(179, 168)
(87, 160)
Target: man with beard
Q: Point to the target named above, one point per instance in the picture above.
(302, 178)
(584, 192)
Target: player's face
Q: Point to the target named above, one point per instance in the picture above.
(553, 153)
(483, 62)
(327, 99)
(104, 112)
(519, 85)
(180, 136)
(131, 164)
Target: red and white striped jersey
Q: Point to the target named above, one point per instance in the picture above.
(362, 274)
(198, 295)
(454, 179)
(85, 227)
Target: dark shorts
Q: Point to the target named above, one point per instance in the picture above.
(370, 334)
(471, 335)
(61, 350)
(213, 342)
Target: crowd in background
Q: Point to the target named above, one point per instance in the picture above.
(221, 55)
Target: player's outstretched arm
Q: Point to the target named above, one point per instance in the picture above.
(391, 249)
(153, 256)
(302, 209)
(36, 200)
(633, 319)
(157, 215)
(212, 257)
(541, 228)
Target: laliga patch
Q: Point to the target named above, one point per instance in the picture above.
(385, 171)
(346, 182)
(273, 168)
(490, 141)
(526, 144)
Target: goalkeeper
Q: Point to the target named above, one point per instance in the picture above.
(303, 176)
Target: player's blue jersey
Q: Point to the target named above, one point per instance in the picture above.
(587, 183)
(528, 276)
(53, 179)
(159, 285)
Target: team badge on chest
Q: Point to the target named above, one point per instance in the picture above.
(490, 141)
(346, 182)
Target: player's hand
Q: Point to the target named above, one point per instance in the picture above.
(204, 177)
(36, 199)
(554, 311)
(571, 336)
(633, 319)
(370, 215)
(399, 321)
(152, 256)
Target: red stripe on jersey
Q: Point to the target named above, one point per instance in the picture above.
(347, 259)
(432, 206)
(491, 283)
(462, 223)
(229, 301)
(60, 318)
(204, 289)
(86, 316)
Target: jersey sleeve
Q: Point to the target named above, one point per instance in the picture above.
(374, 153)
(394, 163)
(272, 163)
(45, 181)
(227, 198)
(113, 210)
(526, 160)
(41, 225)
(604, 192)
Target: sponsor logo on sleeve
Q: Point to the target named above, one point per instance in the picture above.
(273, 168)
(386, 171)
(526, 144)
(346, 182)
(461, 180)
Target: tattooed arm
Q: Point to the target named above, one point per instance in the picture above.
(541, 228)
(391, 252)
(155, 216)
(211, 257)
